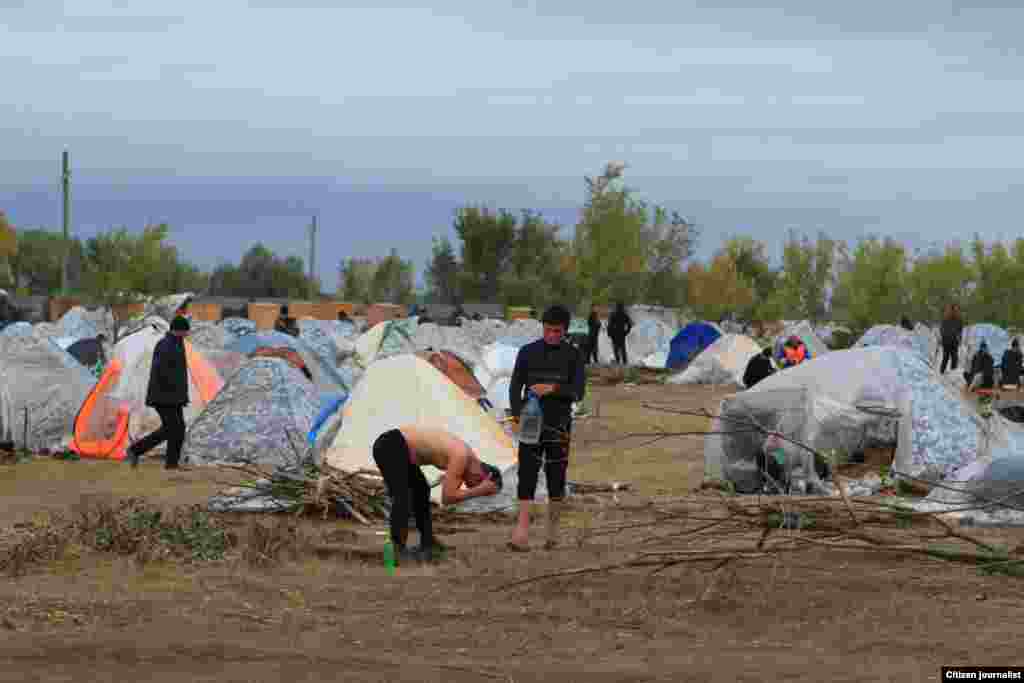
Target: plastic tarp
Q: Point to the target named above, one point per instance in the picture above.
(262, 416)
(690, 342)
(208, 335)
(330, 339)
(238, 327)
(846, 400)
(724, 362)
(385, 339)
(326, 377)
(404, 390)
(803, 330)
(326, 411)
(430, 336)
(891, 335)
(115, 412)
(80, 323)
(39, 382)
(18, 329)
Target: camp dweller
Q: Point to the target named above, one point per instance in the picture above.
(167, 394)
(400, 453)
(906, 324)
(982, 372)
(950, 332)
(593, 333)
(619, 327)
(794, 352)
(1012, 364)
(554, 371)
(343, 317)
(285, 323)
(759, 367)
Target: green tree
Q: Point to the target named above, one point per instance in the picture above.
(998, 277)
(670, 241)
(805, 280)
(8, 249)
(442, 273)
(393, 280)
(610, 247)
(488, 240)
(938, 279)
(262, 274)
(356, 277)
(874, 288)
(752, 267)
(36, 264)
(535, 276)
(718, 289)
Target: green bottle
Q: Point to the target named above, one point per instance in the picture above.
(389, 558)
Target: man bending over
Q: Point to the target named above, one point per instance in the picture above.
(400, 453)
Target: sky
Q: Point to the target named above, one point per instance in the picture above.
(235, 121)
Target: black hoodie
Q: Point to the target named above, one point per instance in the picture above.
(538, 363)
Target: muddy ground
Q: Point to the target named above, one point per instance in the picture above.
(821, 617)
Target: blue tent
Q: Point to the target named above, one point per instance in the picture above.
(690, 341)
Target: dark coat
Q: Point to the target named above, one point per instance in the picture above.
(619, 325)
(982, 364)
(593, 326)
(758, 368)
(950, 331)
(168, 378)
(1011, 366)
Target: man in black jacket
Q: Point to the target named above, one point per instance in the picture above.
(167, 394)
(554, 371)
(982, 372)
(1011, 366)
(759, 367)
(619, 327)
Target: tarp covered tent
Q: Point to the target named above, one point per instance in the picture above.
(805, 332)
(918, 341)
(326, 377)
(238, 327)
(723, 362)
(81, 323)
(115, 412)
(386, 339)
(89, 352)
(330, 339)
(262, 416)
(18, 329)
(406, 389)
(845, 400)
(457, 340)
(689, 342)
(39, 382)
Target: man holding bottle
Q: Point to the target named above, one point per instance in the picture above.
(553, 371)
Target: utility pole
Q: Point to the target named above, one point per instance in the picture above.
(312, 259)
(66, 186)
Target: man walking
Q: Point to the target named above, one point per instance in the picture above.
(553, 370)
(619, 327)
(167, 394)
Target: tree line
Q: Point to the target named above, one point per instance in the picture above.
(622, 248)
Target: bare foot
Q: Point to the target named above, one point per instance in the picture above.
(520, 538)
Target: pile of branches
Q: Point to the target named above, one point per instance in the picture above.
(717, 530)
(319, 489)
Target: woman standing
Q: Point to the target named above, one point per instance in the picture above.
(951, 330)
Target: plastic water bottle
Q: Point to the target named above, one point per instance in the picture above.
(531, 422)
(389, 558)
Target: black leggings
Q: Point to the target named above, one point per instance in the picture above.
(554, 447)
(172, 430)
(406, 486)
(592, 350)
(950, 352)
(619, 347)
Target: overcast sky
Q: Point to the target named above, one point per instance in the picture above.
(235, 120)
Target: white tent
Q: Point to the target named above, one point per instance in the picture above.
(724, 362)
(406, 389)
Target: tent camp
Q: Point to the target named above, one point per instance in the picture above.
(406, 389)
(115, 412)
(724, 362)
(689, 342)
(41, 387)
(848, 400)
(262, 416)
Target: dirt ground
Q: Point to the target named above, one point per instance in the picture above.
(826, 617)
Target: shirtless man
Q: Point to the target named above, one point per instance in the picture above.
(399, 454)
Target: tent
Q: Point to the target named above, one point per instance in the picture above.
(457, 371)
(463, 341)
(41, 387)
(406, 389)
(918, 341)
(88, 352)
(724, 362)
(115, 412)
(385, 339)
(848, 400)
(805, 332)
(689, 342)
(325, 376)
(262, 416)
